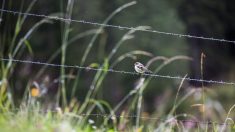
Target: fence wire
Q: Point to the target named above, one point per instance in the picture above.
(120, 72)
(116, 116)
(169, 120)
(165, 120)
(117, 26)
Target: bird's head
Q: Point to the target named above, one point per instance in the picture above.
(137, 63)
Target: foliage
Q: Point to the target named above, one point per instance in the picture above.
(42, 109)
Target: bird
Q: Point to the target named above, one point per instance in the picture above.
(140, 68)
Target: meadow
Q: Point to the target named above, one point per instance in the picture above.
(80, 104)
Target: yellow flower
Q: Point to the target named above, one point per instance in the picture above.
(35, 92)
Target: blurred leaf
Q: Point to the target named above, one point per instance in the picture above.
(26, 42)
(98, 104)
(17, 28)
(94, 65)
(106, 64)
(29, 33)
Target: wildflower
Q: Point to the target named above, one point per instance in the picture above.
(35, 92)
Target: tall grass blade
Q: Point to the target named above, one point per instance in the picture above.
(68, 14)
(91, 43)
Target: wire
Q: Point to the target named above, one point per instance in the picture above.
(170, 120)
(112, 116)
(118, 26)
(117, 71)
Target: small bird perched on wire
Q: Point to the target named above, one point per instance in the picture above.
(140, 68)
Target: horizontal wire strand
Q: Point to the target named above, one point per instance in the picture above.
(118, 71)
(169, 120)
(118, 26)
(157, 118)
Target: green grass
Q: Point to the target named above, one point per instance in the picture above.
(66, 113)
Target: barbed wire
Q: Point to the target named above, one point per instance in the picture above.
(117, 26)
(113, 116)
(166, 120)
(170, 120)
(119, 71)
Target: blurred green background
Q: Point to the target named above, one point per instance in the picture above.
(199, 17)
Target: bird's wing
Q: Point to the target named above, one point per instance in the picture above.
(147, 70)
